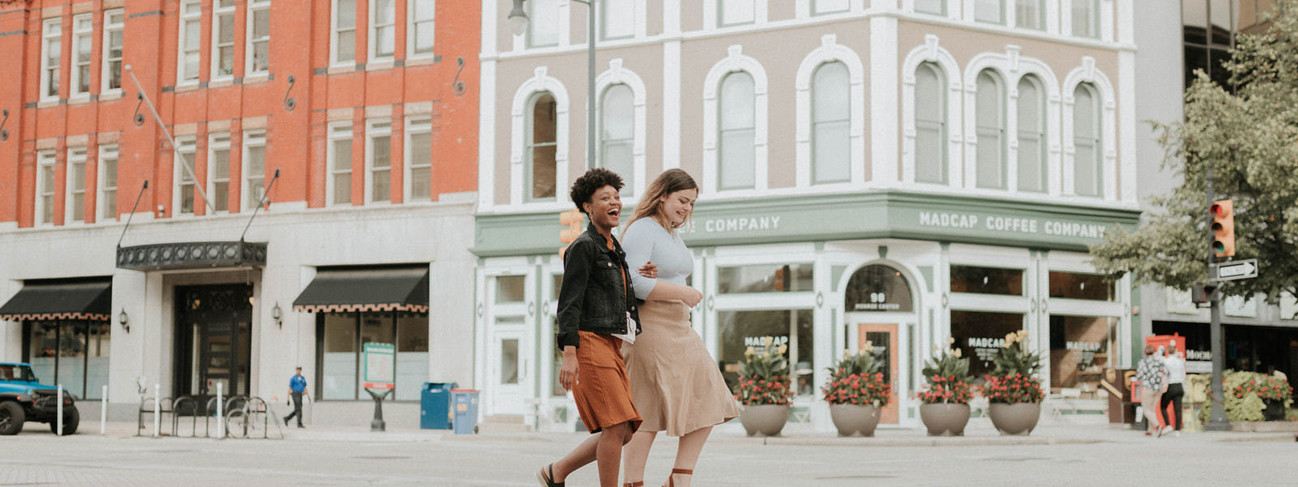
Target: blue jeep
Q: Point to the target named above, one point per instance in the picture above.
(23, 398)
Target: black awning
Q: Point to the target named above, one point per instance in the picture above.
(71, 300)
(370, 289)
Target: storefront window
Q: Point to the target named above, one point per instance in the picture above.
(978, 335)
(344, 336)
(792, 328)
(1072, 285)
(986, 280)
(878, 288)
(771, 278)
(338, 367)
(73, 354)
(1079, 351)
(412, 355)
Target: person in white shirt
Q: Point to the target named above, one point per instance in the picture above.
(1175, 389)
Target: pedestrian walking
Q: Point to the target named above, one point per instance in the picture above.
(296, 389)
(1175, 390)
(675, 384)
(1151, 373)
(597, 310)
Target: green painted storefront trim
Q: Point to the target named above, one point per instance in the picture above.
(820, 218)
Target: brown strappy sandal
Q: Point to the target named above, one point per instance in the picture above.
(671, 482)
(546, 476)
(633, 484)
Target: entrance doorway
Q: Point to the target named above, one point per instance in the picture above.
(882, 339)
(213, 341)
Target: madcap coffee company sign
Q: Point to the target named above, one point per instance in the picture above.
(1009, 224)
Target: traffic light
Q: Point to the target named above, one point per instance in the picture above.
(571, 221)
(1202, 293)
(1223, 228)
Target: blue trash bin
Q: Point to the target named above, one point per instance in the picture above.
(435, 405)
(465, 402)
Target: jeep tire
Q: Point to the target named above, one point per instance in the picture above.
(11, 418)
(71, 418)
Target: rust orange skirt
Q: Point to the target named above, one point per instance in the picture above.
(603, 391)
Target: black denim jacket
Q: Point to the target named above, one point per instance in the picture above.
(592, 297)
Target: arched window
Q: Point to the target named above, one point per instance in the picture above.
(930, 125)
(1087, 156)
(617, 134)
(738, 140)
(989, 108)
(831, 124)
(1032, 136)
(877, 288)
(542, 147)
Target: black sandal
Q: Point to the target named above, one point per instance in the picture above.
(548, 480)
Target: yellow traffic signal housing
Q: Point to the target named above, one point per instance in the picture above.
(571, 221)
(1223, 228)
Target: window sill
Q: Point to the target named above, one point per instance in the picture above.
(380, 65)
(422, 60)
(110, 95)
(257, 78)
(79, 99)
(48, 102)
(220, 83)
(341, 69)
(187, 86)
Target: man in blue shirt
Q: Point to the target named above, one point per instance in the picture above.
(296, 387)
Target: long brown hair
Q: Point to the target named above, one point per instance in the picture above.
(670, 181)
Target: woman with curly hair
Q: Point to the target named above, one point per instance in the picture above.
(597, 309)
(675, 384)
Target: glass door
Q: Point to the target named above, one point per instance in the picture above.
(883, 339)
(213, 341)
(512, 307)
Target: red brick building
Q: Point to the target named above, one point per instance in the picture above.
(366, 109)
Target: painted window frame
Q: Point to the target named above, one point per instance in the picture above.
(943, 124)
(1002, 17)
(76, 156)
(734, 61)
(196, 17)
(619, 74)
(339, 131)
(817, 123)
(374, 129)
(248, 177)
(1041, 23)
(250, 33)
(628, 6)
(830, 51)
(605, 141)
(530, 36)
(184, 145)
(816, 10)
(375, 28)
(218, 141)
(1096, 141)
(51, 58)
(412, 29)
(335, 32)
(106, 202)
(943, 8)
(721, 13)
(951, 85)
(530, 145)
(112, 29)
(982, 132)
(219, 13)
(83, 30)
(1096, 26)
(1042, 132)
(46, 175)
(417, 126)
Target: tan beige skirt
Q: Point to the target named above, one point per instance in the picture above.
(675, 384)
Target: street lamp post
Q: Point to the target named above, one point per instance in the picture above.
(518, 22)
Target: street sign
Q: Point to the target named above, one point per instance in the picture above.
(1229, 271)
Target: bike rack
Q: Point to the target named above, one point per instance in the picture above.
(245, 417)
(165, 407)
(178, 410)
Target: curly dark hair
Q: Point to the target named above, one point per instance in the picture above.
(592, 181)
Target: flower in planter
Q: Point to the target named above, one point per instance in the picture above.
(764, 377)
(948, 379)
(1013, 380)
(857, 380)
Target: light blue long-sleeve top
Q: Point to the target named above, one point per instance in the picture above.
(644, 241)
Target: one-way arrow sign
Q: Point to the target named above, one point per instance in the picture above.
(1229, 271)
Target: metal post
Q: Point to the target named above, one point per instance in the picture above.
(157, 410)
(59, 411)
(1217, 420)
(220, 415)
(103, 410)
(590, 85)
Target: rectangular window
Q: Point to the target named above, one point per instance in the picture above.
(986, 280)
(383, 29)
(419, 159)
(740, 330)
(768, 278)
(83, 30)
(344, 336)
(53, 45)
(1079, 351)
(737, 152)
(831, 123)
(543, 29)
(979, 335)
(223, 39)
(1073, 285)
(1086, 18)
(378, 160)
(218, 171)
(511, 289)
(338, 368)
(737, 12)
(185, 176)
(254, 168)
(829, 6)
(617, 19)
(935, 7)
(412, 355)
(344, 30)
(114, 25)
(191, 19)
(340, 164)
(107, 183)
(930, 125)
(422, 26)
(76, 177)
(542, 149)
(45, 161)
(989, 11)
(72, 354)
(1030, 14)
(258, 49)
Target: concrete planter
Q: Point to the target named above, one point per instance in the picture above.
(764, 419)
(944, 419)
(1017, 419)
(851, 419)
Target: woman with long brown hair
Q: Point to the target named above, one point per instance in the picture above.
(675, 384)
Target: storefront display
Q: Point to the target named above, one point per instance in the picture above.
(1079, 351)
(978, 335)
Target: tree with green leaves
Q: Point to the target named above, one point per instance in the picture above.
(1248, 134)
